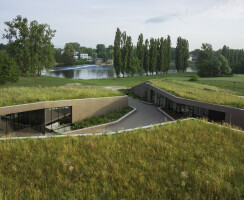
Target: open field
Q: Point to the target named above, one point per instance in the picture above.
(34, 89)
(183, 160)
(200, 92)
(22, 95)
(235, 83)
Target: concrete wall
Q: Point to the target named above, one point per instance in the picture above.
(234, 116)
(81, 108)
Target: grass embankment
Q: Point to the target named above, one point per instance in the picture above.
(200, 92)
(102, 119)
(183, 160)
(235, 83)
(22, 95)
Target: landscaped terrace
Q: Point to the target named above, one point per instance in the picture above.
(182, 160)
(23, 95)
(200, 92)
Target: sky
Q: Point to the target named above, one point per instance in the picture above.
(92, 22)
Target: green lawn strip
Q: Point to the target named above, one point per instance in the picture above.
(200, 92)
(102, 119)
(184, 160)
(23, 95)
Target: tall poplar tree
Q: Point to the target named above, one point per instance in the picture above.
(179, 54)
(124, 53)
(130, 54)
(185, 52)
(117, 52)
(140, 52)
(146, 57)
(168, 54)
(153, 56)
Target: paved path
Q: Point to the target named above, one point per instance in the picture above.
(145, 114)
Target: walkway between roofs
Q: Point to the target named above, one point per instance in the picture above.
(145, 114)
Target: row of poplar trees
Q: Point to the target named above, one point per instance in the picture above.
(149, 56)
(152, 56)
(181, 54)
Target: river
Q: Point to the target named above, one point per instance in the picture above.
(91, 72)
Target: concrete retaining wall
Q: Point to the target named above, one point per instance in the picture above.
(234, 116)
(81, 108)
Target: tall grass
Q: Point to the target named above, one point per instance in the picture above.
(200, 92)
(22, 95)
(183, 160)
(102, 119)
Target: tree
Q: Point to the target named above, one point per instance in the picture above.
(210, 65)
(100, 48)
(135, 65)
(68, 55)
(146, 57)
(160, 55)
(76, 46)
(153, 56)
(224, 65)
(124, 53)
(185, 55)
(9, 71)
(30, 45)
(58, 55)
(140, 52)
(117, 52)
(168, 54)
(101, 52)
(130, 55)
(179, 54)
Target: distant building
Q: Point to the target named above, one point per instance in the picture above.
(110, 62)
(76, 53)
(98, 61)
(84, 56)
(192, 57)
(76, 57)
(89, 58)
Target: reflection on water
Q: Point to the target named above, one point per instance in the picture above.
(91, 72)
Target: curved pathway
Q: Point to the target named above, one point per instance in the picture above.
(144, 115)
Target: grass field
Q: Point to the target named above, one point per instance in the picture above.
(200, 92)
(183, 160)
(235, 83)
(102, 119)
(33, 89)
(22, 95)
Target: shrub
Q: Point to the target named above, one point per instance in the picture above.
(194, 78)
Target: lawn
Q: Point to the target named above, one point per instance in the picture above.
(23, 95)
(200, 92)
(182, 160)
(102, 119)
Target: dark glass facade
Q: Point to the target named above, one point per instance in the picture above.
(44, 120)
(57, 118)
(185, 110)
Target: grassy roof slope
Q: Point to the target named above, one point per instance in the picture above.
(22, 95)
(183, 160)
(200, 92)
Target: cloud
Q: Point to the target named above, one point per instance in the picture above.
(162, 19)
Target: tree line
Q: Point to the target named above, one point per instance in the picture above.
(235, 58)
(223, 62)
(29, 49)
(66, 56)
(210, 64)
(148, 56)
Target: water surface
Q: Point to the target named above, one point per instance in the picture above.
(91, 72)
